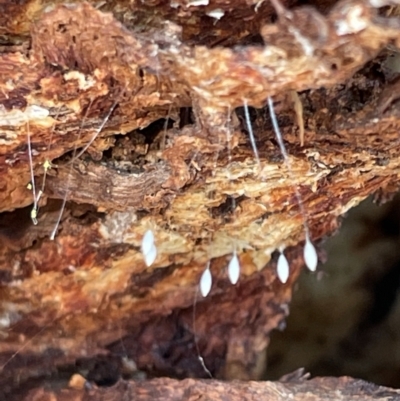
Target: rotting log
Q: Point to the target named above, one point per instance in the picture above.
(88, 292)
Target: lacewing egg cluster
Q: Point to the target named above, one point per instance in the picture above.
(233, 275)
(310, 259)
(149, 250)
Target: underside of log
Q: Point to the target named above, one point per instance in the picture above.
(138, 110)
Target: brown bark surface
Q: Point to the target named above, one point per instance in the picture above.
(73, 75)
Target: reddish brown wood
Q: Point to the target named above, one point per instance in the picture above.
(67, 67)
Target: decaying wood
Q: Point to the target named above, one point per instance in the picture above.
(334, 389)
(88, 292)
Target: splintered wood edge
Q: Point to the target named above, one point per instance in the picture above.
(318, 389)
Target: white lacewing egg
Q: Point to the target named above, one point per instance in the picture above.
(310, 255)
(234, 269)
(217, 13)
(206, 282)
(150, 256)
(282, 268)
(147, 242)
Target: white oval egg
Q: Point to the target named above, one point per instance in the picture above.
(310, 255)
(150, 256)
(206, 282)
(282, 268)
(147, 242)
(234, 269)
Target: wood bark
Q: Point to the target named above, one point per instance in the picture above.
(73, 75)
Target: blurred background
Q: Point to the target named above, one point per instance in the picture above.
(345, 320)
